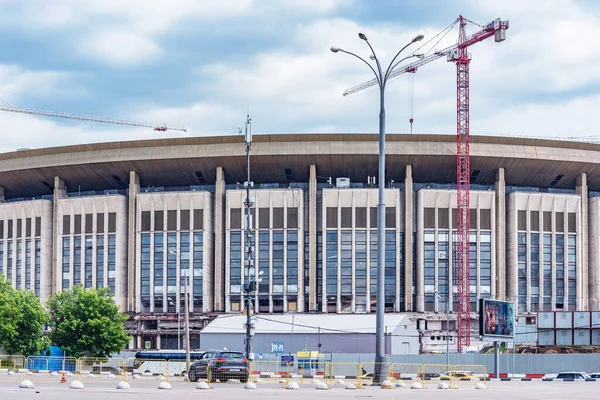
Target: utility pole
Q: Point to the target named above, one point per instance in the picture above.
(250, 282)
(187, 326)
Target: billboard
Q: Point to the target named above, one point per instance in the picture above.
(496, 319)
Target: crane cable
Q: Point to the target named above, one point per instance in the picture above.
(411, 75)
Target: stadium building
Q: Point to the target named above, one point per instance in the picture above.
(139, 216)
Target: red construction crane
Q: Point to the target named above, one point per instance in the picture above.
(54, 114)
(459, 55)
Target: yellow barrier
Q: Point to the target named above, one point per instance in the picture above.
(400, 372)
(466, 374)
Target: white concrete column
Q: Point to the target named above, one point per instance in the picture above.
(219, 271)
(408, 239)
(498, 275)
(312, 238)
(593, 253)
(420, 278)
(60, 191)
(158, 344)
(510, 271)
(134, 189)
(584, 273)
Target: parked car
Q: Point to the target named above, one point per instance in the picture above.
(224, 365)
(595, 375)
(573, 375)
(461, 375)
(106, 369)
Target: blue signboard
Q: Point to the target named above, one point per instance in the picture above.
(285, 360)
(277, 347)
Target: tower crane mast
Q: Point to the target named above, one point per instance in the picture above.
(458, 54)
(55, 114)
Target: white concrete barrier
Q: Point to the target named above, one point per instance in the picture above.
(251, 386)
(26, 384)
(75, 384)
(123, 385)
(202, 385)
(164, 386)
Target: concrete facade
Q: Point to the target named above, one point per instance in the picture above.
(534, 233)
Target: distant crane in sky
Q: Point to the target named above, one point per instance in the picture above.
(55, 114)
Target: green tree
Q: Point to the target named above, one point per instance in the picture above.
(22, 319)
(87, 323)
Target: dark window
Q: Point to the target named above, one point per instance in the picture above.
(332, 217)
(1, 229)
(473, 218)
(38, 227)
(112, 222)
(547, 221)
(390, 217)
(77, 223)
(360, 217)
(184, 220)
(66, 224)
(429, 218)
(158, 220)
(19, 227)
(171, 220)
(278, 217)
(28, 227)
(486, 218)
(454, 218)
(373, 217)
(235, 218)
(534, 217)
(100, 223)
(89, 223)
(263, 218)
(199, 219)
(145, 221)
(346, 217)
(521, 220)
(10, 228)
(572, 222)
(443, 218)
(292, 217)
(560, 222)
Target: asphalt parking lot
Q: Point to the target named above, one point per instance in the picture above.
(149, 390)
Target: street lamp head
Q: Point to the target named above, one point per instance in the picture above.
(334, 49)
(362, 36)
(261, 273)
(173, 252)
(419, 56)
(372, 57)
(418, 38)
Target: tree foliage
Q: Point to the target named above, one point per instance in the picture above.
(87, 323)
(22, 320)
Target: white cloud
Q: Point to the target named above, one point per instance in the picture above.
(117, 47)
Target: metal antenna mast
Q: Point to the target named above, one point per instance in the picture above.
(250, 283)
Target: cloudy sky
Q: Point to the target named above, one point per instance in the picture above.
(203, 64)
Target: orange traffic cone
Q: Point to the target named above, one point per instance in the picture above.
(63, 379)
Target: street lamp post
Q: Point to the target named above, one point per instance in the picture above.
(172, 303)
(381, 360)
(187, 315)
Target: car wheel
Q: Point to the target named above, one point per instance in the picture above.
(244, 380)
(183, 373)
(146, 371)
(192, 377)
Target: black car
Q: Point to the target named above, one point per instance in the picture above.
(224, 365)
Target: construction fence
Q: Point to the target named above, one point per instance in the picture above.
(41, 369)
